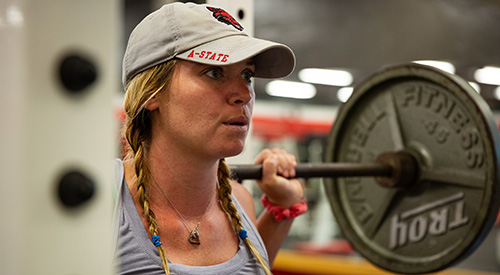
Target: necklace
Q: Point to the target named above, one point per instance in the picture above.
(194, 236)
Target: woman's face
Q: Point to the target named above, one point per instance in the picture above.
(206, 110)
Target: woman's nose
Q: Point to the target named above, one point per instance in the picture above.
(240, 94)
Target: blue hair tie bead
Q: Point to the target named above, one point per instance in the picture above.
(243, 234)
(156, 240)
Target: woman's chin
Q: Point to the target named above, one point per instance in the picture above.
(233, 150)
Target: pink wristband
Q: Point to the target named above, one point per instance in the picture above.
(281, 213)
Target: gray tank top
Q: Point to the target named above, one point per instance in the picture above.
(136, 254)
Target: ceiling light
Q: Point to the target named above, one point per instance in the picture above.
(442, 65)
(496, 93)
(290, 89)
(326, 76)
(344, 93)
(488, 75)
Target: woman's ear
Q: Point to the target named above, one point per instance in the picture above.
(153, 103)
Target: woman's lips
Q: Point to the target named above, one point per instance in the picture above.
(239, 122)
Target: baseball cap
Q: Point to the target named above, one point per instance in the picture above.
(204, 34)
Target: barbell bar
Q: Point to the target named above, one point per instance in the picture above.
(318, 170)
(390, 169)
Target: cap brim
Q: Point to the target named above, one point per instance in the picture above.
(272, 60)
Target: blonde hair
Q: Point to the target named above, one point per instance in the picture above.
(141, 89)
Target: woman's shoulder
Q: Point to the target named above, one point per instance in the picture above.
(244, 198)
(129, 172)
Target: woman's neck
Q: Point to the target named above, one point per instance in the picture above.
(189, 183)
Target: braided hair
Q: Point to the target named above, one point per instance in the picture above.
(142, 88)
(223, 175)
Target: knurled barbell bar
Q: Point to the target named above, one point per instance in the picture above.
(390, 169)
(432, 145)
(317, 170)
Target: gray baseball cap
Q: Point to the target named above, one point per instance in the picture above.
(203, 34)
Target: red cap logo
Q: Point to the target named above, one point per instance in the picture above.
(224, 17)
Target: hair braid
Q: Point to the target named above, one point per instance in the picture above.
(223, 175)
(141, 89)
(143, 177)
(143, 196)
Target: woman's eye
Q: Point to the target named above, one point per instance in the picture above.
(214, 73)
(247, 76)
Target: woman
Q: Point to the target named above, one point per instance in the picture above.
(187, 71)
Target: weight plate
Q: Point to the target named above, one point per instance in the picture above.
(440, 120)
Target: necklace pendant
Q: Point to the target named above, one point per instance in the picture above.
(194, 238)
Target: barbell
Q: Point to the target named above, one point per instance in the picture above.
(411, 169)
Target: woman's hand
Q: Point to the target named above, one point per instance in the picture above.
(278, 182)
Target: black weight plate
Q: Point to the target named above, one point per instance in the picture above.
(439, 119)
